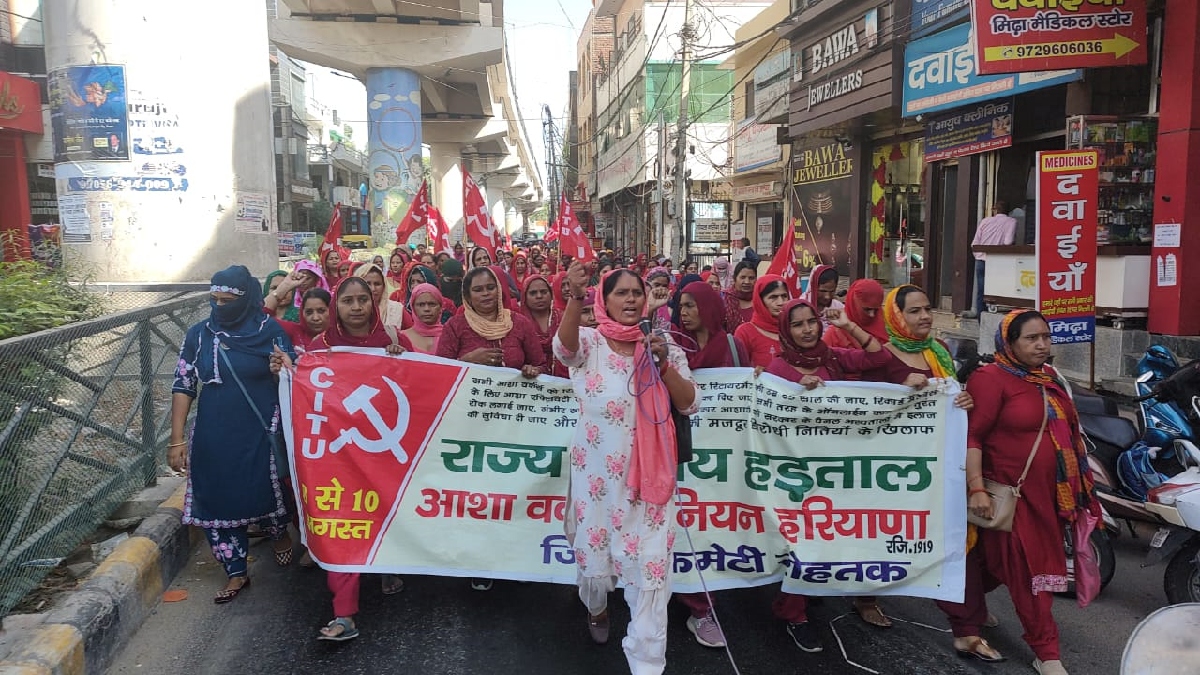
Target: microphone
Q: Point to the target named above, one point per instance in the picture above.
(646, 325)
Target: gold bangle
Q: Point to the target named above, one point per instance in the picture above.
(175, 445)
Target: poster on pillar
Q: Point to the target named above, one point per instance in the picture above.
(116, 199)
(394, 159)
(1067, 193)
(822, 180)
(89, 113)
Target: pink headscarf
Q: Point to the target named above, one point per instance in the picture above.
(652, 469)
(309, 266)
(434, 331)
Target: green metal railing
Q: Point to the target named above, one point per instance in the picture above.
(84, 418)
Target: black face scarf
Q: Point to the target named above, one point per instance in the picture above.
(451, 280)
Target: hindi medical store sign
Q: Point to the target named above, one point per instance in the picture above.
(939, 74)
(1067, 193)
(1013, 36)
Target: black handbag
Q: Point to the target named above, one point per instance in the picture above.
(683, 436)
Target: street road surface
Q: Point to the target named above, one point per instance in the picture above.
(438, 625)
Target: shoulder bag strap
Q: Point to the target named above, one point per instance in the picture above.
(1036, 443)
(737, 361)
(238, 380)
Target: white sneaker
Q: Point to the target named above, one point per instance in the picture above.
(1052, 667)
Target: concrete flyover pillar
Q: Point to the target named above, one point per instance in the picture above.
(495, 202)
(164, 151)
(447, 184)
(393, 148)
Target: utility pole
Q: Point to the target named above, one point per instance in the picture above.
(679, 235)
(551, 162)
(661, 226)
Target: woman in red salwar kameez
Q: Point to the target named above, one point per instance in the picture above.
(1014, 395)
(916, 358)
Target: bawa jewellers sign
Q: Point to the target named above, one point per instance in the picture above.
(831, 52)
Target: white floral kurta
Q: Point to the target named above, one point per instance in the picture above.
(617, 535)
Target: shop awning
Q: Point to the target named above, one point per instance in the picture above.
(20, 104)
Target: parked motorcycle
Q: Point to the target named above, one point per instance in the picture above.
(1177, 500)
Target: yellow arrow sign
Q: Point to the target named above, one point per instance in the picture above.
(1118, 46)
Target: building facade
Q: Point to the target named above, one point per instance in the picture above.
(29, 219)
(637, 100)
(900, 147)
(763, 65)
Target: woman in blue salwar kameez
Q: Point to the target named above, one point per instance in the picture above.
(234, 473)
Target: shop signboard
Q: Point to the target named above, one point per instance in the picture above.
(20, 104)
(764, 235)
(1014, 36)
(822, 180)
(846, 71)
(757, 192)
(939, 74)
(755, 146)
(929, 15)
(969, 131)
(1067, 194)
(771, 83)
(89, 113)
(620, 167)
(604, 224)
(710, 224)
(296, 243)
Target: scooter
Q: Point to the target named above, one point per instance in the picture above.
(1177, 500)
(1162, 415)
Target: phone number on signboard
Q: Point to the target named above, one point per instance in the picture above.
(1059, 49)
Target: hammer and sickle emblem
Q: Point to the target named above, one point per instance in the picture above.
(389, 436)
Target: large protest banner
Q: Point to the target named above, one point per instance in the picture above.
(419, 465)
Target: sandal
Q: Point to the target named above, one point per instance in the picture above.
(345, 631)
(228, 594)
(870, 613)
(392, 584)
(978, 648)
(284, 558)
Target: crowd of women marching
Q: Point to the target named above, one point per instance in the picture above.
(532, 312)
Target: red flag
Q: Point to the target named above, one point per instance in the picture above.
(479, 226)
(552, 231)
(417, 216)
(438, 231)
(333, 234)
(784, 262)
(572, 239)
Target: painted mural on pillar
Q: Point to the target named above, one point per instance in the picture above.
(822, 177)
(393, 147)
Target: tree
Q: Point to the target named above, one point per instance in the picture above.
(319, 214)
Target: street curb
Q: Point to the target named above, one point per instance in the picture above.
(83, 634)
